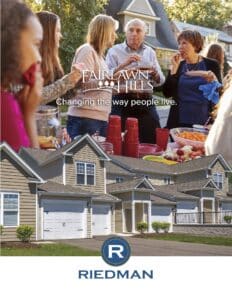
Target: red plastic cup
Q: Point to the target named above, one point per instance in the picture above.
(114, 133)
(132, 123)
(131, 149)
(162, 135)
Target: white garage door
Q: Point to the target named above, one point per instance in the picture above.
(101, 219)
(161, 214)
(64, 219)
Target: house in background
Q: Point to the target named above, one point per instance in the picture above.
(159, 34)
(79, 191)
(222, 37)
(62, 194)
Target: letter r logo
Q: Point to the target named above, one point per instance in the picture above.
(115, 249)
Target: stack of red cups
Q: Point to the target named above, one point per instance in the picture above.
(131, 138)
(114, 133)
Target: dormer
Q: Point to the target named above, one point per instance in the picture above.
(142, 10)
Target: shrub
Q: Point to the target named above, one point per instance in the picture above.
(165, 226)
(156, 226)
(24, 233)
(142, 226)
(228, 219)
(1, 229)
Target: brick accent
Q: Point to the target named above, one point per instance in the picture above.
(209, 230)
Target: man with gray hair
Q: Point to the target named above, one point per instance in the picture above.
(134, 55)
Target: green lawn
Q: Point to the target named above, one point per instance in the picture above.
(210, 240)
(48, 250)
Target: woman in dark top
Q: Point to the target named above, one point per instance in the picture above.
(189, 71)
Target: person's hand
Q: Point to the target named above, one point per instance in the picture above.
(155, 75)
(175, 61)
(76, 73)
(209, 76)
(30, 96)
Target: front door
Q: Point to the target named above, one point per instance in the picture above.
(207, 211)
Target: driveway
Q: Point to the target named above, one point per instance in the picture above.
(149, 247)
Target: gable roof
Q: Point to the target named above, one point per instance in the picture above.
(31, 173)
(164, 35)
(112, 168)
(136, 165)
(130, 185)
(146, 8)
(43, 157)
(161, 201)
(222, 36)
(57, 189)
(171, 192)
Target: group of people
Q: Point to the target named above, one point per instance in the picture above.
(32, 74)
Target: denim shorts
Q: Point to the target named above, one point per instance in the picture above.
(80, 126)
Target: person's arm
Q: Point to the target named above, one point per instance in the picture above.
(60, 87)
(157, 74)
(171, 82)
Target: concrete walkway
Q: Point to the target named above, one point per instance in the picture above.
(149, 247)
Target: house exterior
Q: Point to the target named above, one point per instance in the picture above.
(158, 32)
(223, 37)
(61, 194)
(79, 191)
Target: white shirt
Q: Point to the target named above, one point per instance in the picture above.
(119, 53)
(219, 139)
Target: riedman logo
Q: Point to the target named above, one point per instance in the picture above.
(116, 251)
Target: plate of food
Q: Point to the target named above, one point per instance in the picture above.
(47, 142)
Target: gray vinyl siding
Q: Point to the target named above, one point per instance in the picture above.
(85, 153)
(218, 168)
(14, 179)
(141, 7)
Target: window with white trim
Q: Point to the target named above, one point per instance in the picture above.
(218, 180)
(148, 28)
(85, 173)
(9, 209)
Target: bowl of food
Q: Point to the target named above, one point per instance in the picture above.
(189, 136)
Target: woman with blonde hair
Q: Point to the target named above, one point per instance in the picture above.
(91, 104)
(56, 83)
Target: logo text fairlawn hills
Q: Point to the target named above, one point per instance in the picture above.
(115, 252)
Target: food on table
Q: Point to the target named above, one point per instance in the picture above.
(159, 159)
(193, 136)
(183, 154)
(47, 142)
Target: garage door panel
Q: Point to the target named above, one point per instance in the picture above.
(161, 214)
(64, 219)
(101, 219)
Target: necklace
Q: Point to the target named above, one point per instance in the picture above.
(192, 67)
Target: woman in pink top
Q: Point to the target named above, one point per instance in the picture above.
(21, 80)
(91, 105)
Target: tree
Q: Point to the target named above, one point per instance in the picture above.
(207, 13)
(75, 16)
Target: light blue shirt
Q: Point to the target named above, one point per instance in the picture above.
(119, 53)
